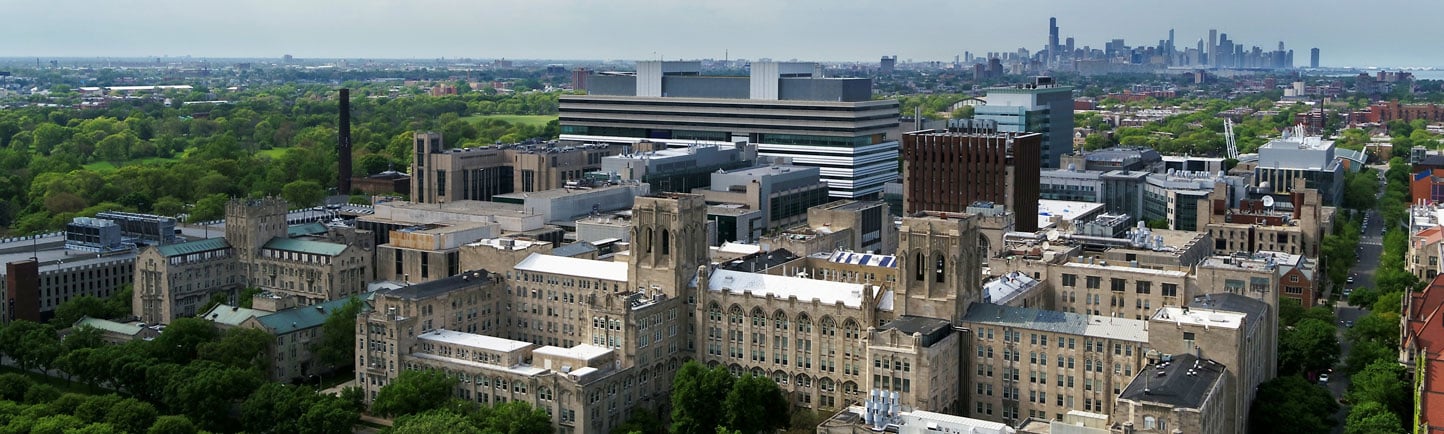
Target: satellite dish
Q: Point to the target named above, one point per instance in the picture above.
(1047, 246)
(1053, 235)
(1268, 201)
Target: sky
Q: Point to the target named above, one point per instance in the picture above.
(1391, 33)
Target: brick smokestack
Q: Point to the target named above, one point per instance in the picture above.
(343, 146)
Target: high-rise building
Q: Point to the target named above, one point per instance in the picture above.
(887, 64)
(1052, 42)
(947, 171)
(785, 109)
(1314, 57)
(441, 175)
(1040, 107)
(1212, 47)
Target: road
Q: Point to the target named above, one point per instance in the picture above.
(1371, 248)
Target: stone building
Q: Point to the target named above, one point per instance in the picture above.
(1181, 394)
(1234, 331)
(176, 280)
(1073, 361)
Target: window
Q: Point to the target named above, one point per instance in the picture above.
(1188, 340)
(1145, 287)
(1094, 282)
(1070, 280)
(1118, 285)
(1170, 290)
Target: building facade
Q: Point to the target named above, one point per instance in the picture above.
(785, 109)
(1035, 108)
(948, 171)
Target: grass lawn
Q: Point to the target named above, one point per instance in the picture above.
(106, 166)
(273, 153)
(533, 120)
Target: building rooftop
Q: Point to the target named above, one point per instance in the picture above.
(1067, 210)
(505, 243)
(574, 249)
(128, 329)
(918, 421)
(931, 329)
(586, 268)
(1199, 317)
(1058, 322)
(1007, 287)
(759, 261)
(305, 246)
(785, 287)
(441, 286)
(867, 259)
(231, 315)
(585, 352)
(186, 248)
(1182, 382)
(1129, 269)
(305, 229)
(1231, 303)
(303, 317)
(473, 340)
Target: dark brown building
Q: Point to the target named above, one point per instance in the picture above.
(949, 170)
(22, 283)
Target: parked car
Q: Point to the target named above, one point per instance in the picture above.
(1323, 378)
(1351, 280)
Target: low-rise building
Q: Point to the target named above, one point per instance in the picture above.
(1181, 393)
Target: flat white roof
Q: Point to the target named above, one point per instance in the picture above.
(784, 287)
(474, 340)
(503, 243)
(585, 352)
(518, 369)
(605, 270)
(1203, 317)
(739, 248)
(1067, 209)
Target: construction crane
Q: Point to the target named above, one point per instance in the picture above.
(1228, 138)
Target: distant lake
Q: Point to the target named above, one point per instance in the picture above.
(1419, 74)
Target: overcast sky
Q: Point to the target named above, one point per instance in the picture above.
(1388, 33)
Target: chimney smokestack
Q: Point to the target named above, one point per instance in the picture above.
(343, 145)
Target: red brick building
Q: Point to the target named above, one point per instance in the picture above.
(948, 170)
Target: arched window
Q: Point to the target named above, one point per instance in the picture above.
(1150, 423)
(735, 314)
(940, 267)
(779, 320)
(649, 240)
(666, 242)
(828, 327)
(758, 318)
(918, 266)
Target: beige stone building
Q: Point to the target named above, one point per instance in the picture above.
(296, 330)
(1025, 362)
(1425, 249)
(1234, 331)
(1296, 226)
(427, 251)
(176, 280)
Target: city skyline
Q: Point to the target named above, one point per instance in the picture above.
(918, 30)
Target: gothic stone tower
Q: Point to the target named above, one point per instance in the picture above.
(250, 224)
(669, 241)
(939, 265)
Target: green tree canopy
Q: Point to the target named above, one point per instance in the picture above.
(1308, 347)
(413, 392)
(696, 393)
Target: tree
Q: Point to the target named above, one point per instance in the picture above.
(209, 208)
(332, 415)
(517, 417)
(132, 415)
(240, 347)
(1381, 327)
(337, 346)
(1308, 347)
(413, 392)
(67, 313)
(1289, 403)
(172, 425)
(303, 193)
(1372, 418)
(1383, 382)
(432, 422)
(696, 393)
(279, 408)
(755, 405)
(182, 337)
(1291, 310)
(1365, 353)
(642, 421)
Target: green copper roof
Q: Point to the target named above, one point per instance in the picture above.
(187, 248)
(110, 326)
(306, 246)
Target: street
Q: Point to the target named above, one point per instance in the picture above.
(1371, 248)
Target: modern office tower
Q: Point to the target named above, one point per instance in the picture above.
(1212, 47)
(785, 109)
(1170, 49)
(1040, 107)
(887, 65)
(1068, 45)
(1314, 57)
(1202, 59)
(947, 171)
